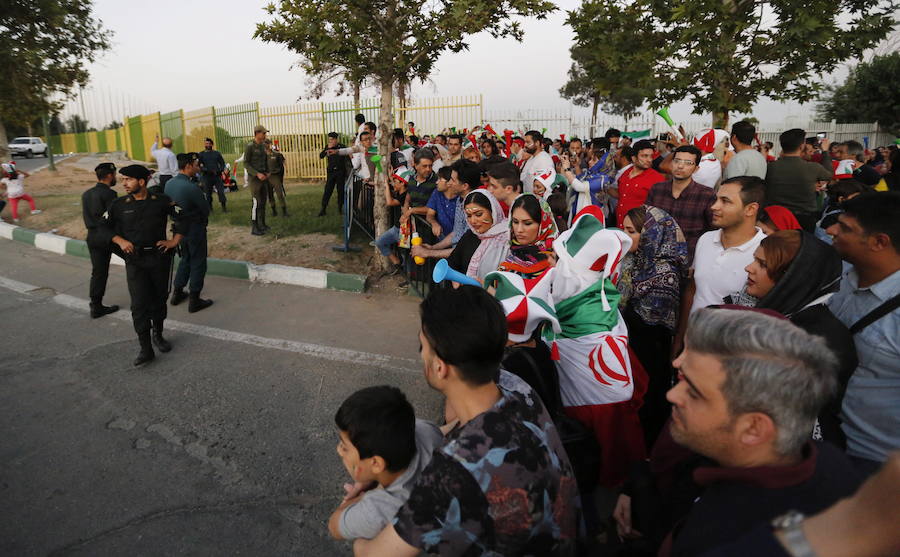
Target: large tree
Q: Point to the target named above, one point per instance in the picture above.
(389, 40)
(44, 48)
(724, 55)
(870, 93)
(612, 58)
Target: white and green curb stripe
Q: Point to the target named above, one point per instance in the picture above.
(268, 273)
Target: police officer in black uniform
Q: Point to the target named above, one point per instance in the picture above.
(94, 203)
(137, 224)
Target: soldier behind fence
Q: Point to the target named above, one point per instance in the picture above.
(256, 163)
(275, 183)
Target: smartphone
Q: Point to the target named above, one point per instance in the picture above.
(821, 135)
(663, 137)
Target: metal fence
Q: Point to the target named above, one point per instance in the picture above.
(299, 129)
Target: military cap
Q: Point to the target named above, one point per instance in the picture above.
(260, 128)
(136, 171)
(105, 167)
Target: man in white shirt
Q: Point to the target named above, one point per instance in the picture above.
(746, 161)
(721, 255)
(538, 159)
(165, 159)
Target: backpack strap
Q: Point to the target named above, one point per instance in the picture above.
(876, 314)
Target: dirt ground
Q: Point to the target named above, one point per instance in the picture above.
(58, 195)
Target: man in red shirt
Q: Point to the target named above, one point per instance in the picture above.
(635, 183)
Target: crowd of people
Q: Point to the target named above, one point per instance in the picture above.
(703, 331)
(705, 336)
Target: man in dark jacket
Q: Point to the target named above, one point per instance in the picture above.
(750, 388)
(336, 173)
(211, 167)
(94, 204)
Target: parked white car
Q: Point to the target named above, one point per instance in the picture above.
(27, 146)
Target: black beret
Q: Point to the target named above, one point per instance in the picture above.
(136, 171)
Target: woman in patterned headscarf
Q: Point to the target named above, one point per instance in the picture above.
(531, 233)
(652, 276)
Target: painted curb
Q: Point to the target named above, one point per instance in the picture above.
(241, 270)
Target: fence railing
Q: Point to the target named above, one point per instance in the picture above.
(299, 129)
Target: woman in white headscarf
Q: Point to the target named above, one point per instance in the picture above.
(486, 221)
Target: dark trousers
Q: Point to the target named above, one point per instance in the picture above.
(192, 267)
(210, 181)
(652, 344)
(148, 285)
(334, 180)
(275, 188)
(163, 178)
(260, 192)
(99, 272)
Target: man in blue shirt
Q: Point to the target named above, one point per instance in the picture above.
(195, 209)
(867, 235)
(442, 205)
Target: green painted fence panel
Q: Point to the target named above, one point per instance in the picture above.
(81, 143)
(234, 128)
(101, 143)
(172, 126)
(136, 135)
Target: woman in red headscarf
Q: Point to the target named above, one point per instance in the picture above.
(774, 218)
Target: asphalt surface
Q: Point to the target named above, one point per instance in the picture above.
(224, 446)
(37, 163)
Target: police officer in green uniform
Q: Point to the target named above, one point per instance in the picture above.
(275, 162)
(137, 224)
(256, 163)
(195, 211)
(94, 203)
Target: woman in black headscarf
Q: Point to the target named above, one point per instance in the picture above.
(794, 273)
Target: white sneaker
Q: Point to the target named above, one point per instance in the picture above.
(16, 221)
(36, 212)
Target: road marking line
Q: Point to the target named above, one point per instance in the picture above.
(332, 353)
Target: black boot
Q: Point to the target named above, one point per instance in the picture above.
(159, 342)
(262, 221)
(257, 230)
(178, 296)
(99, 310)
(284, 211)
(274, 211)
(197, 303)
(146, 354)
(224, 210)
(322, 212)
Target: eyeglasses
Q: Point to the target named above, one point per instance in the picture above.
(683, 162)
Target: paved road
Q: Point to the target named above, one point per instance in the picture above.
(223, 446)
(37, 163)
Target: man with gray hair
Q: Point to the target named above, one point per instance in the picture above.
(750, 388)
(165, 160)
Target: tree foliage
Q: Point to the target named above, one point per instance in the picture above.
(388, 41)
(725, 55)
(869, 94)
(613, 55)
(45, 46)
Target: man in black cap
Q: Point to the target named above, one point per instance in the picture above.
(94, 203)
(212, 165)
(336, 173)
(256, 163)
(195, 212)
(137, 224)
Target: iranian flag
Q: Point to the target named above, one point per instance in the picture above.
(638, 135)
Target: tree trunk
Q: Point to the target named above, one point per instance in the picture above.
(402, 100)
(4, 149)
(720, 119)
(594, 118)
(385, 125)
(356, 91)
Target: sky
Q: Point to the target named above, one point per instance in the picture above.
(195, 53)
